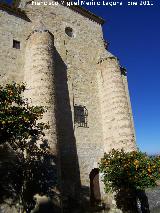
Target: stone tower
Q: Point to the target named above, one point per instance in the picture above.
(39, 76)
(59, 52)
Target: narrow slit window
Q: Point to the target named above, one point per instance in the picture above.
(16, 44)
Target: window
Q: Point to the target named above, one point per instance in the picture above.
(16, 44)
(80, 116)
(69, 31)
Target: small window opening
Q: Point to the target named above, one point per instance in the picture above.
(80, 116)
(16, 44)
(69, 31)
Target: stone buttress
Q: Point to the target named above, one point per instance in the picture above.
(77, 80)
(39, 77)
(118, 131)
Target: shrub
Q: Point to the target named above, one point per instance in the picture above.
(26, 164)
(134, 170)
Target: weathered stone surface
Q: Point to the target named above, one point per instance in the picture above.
(154, 199)
(39, 76)
(78, 79)
(118, 131)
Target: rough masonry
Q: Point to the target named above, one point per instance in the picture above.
(62, 58)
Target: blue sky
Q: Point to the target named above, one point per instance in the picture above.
(134, 37)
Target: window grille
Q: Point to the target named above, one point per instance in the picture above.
(80, 116)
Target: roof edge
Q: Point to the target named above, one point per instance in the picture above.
(14, 11)
(21, 13)
(88, 14)
(83, 11)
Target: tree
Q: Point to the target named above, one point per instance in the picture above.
(26, 164)
(129, 174)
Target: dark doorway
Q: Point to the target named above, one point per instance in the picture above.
(95, 195)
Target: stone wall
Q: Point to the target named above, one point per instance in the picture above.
(11, 59)
(76, 84)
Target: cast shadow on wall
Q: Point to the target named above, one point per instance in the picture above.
(75, 197)
(70, 174)
(21, 180)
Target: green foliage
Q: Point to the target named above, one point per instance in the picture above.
(27, 165)
(17, 118)
(135, 170)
